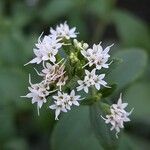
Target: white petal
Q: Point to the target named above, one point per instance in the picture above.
(86, 89)
(40, 103)
(107, 49)
(76, 103)
(97, 86)
(53, 106)
(57, 112)
(52, 59)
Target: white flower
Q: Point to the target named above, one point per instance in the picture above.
(74, 98)
(38, 93)
(46, 49)
(83, 85)
(98, 81)
(53, 73)
(118, 115)
(120, 106)
(63, 31)
(51, 46)
(97, 56)
(58, 106)
(62, 81)
(91, 79)
(64, 101)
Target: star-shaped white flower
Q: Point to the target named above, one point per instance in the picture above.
(91, 79)
(98, 81)
(51, 46)
(64, 101)
(46, 49)
(120, 106)
(54, 73)
(83, 85)
(58, 106)
(97, 56)
(118, 115)
(63, 31)
(74, 98)
(38, 93)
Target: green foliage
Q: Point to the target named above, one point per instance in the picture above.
(74, 132)
(81, 128)
(16, 143)
(138, 100)
(56, 8)
(131, 30)
(106, 138)
(101, 8)
(133, 65)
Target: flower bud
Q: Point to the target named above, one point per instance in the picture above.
(85, 45)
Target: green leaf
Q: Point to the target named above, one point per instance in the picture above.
(115, 63)
(108, 91)
(101, 8)
(56, 8)
(11, 87)
(127, 143)
(73, 132)
(106, 137)
(16, 144)
(135, 142)
(133, 65)
(76, 19)
(7, 126)
(138, 96)
(131, 30)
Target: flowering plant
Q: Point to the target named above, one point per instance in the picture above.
(69, 68)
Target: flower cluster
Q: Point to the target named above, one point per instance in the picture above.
(91, 79)
(55, 52)
(97, 56)
(53, 73)
(64, 101)
(118, 115)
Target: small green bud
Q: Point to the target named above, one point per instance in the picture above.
(73, 57)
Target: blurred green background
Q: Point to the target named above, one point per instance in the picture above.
(123, 22)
